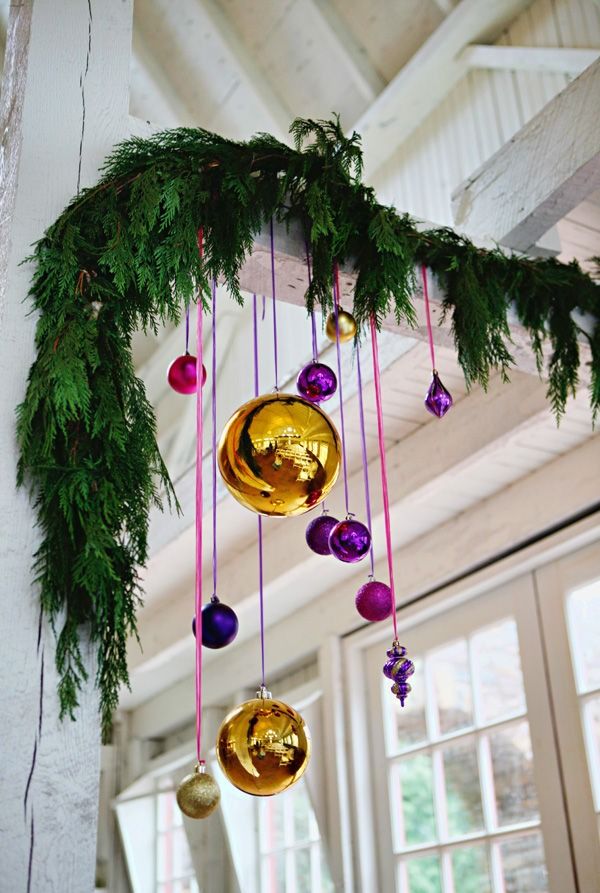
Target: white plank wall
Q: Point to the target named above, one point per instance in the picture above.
(483, 111)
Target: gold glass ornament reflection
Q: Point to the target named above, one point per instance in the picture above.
(346, 323)
(279, 455)
(198, 793)
(263, 746)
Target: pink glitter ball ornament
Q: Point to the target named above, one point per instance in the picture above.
(374, 601)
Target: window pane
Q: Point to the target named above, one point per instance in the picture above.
(414, 778)
(497, 667)
(423, 875)
(592, 734)
(583, 607)
(301, 810)
(326, 882)
(512, 763)
(273, 874)
(271, 824)
(164, 861)
(182, 859)
(408, 722)
(449, 667)
(523, 865)
(302, 866)
(470, 870)
(166, 809)
(463, 793)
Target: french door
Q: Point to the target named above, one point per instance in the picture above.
(488, 780)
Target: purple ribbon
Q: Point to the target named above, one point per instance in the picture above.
(336, 298)
(214, 433)
(261, 602)
(274, 308)
(363, 443)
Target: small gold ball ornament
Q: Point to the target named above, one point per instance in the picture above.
(346, 325)
(263, 746)
(198, 793)
(279, 455)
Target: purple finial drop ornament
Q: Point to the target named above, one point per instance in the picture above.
(374, 601)
(317, 533)
(181, 374)
(349, 540)
(438, 400)
(399, 669)
(219, 624)
(316, 382)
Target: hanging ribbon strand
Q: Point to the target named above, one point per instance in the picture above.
(275, 357)
(261, 604)
(214, 435)
(363, 444)
(438, 400)
(398, 667)
(336, 301)
(316, 381)
(199, 494)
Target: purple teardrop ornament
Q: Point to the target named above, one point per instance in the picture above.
(438, 400)
(399, 669)
(316, 382)
(349, 540)
(317, 533)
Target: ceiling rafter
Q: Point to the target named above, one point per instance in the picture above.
(365, 75)
(429, 76)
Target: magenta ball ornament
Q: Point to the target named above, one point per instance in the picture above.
(219, 624)
(350, 540)
(316, 382)
(374, 601)
(182, 374)
(317, 533)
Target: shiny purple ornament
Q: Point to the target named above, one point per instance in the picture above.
(182, 374)
(349, 540)
(374, 601)
(219, 624)
(438, 400)
(316, 382)
(317, 533)
(399, 669)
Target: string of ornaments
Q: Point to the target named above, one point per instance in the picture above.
(279, 455)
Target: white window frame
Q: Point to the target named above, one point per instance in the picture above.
(513, 577)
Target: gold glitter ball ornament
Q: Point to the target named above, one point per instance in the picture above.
(279, 455)
(263, 746)
(198, 794)
(346, 324)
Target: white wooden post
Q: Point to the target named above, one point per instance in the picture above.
(64, 104)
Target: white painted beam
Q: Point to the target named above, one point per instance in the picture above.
(364, 74)
(561, 145)
(553, 60)
(64, 105)
(553, 494)
(152, 94)
(429, 76)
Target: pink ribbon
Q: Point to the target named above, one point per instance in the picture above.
(198, 589)
(384, 478)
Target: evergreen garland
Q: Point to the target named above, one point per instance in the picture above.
(124, 255)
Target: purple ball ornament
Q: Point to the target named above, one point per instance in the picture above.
(317, 533)
(350, 540)
(219, 624)
(374, 600)
(182, 374)
(399, 669)
(438, 400)
(316, 382)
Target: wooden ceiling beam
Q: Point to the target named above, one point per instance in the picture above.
(561, 144)
(546, 60)
(429, 76)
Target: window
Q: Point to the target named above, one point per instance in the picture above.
(292, 857)
(583, 614)
(464, 805)
(174, 868)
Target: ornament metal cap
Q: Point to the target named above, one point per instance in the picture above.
(264, 693)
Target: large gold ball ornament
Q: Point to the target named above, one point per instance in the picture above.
(346, 325)
(198, 794)
(263, 746)
(279, 455)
